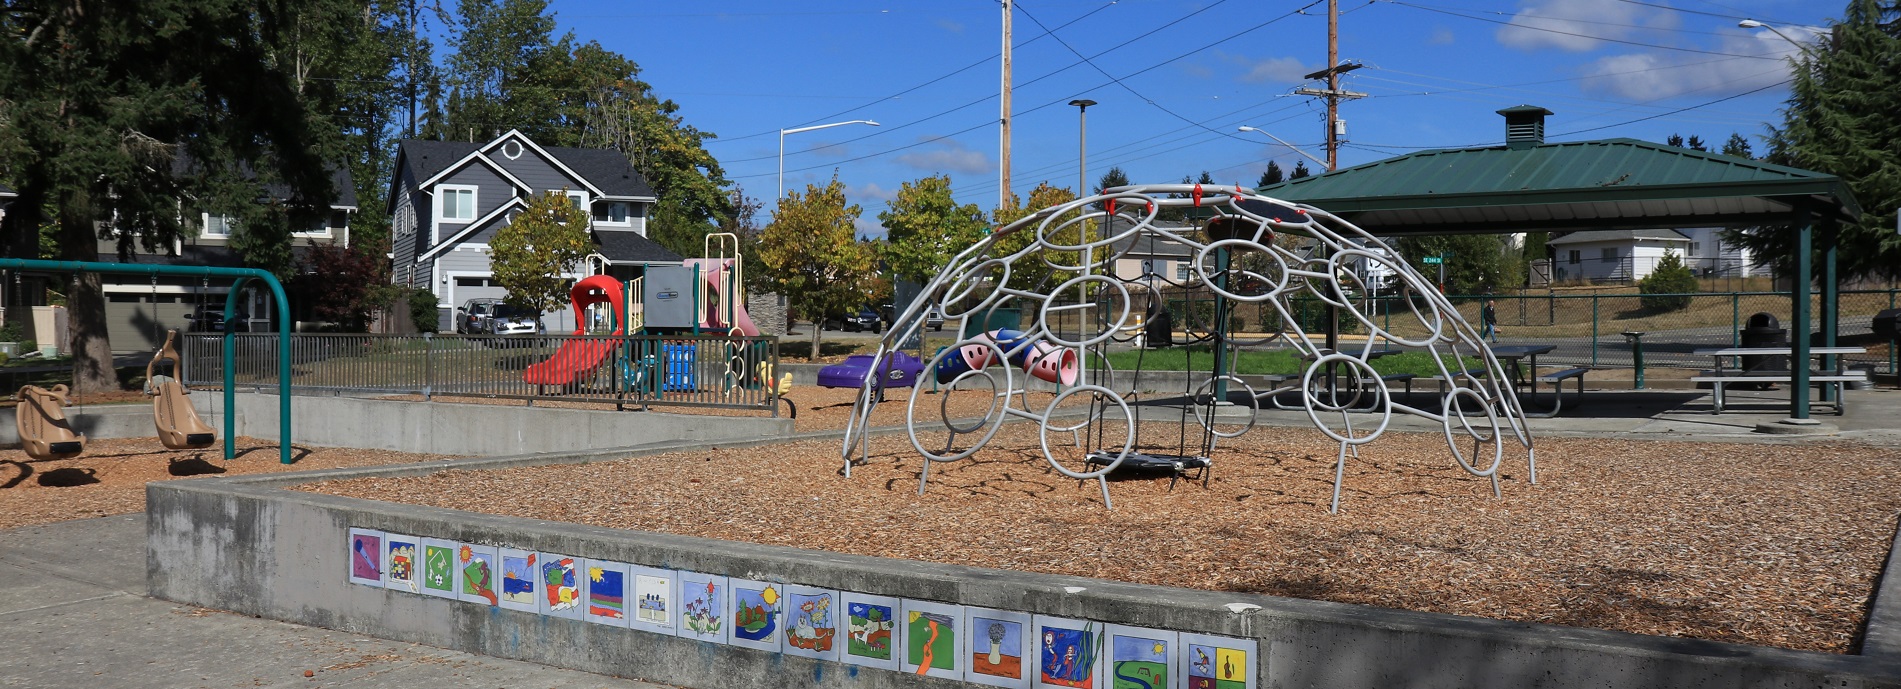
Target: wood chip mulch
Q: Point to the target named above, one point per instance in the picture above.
(110, 477)
(1757, 544)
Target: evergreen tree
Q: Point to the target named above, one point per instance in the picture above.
(1840, 120)
(1474, 263)
(1669, 285)
(1300, 170)
(1115, 177)
(1737, 146)
(1696, 144)
(1271, 176)
(1674, 140)
(99, 105)
(1205, 178)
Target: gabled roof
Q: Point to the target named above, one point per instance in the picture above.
(1575, 185)
(625, 246)
(474, 226)
(1590, 236)
(606, 169)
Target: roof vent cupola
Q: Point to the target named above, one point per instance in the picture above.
(1524, 126)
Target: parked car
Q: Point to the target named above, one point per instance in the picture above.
(206, 319)
(471, 318)
(504, 319)
(864, 319)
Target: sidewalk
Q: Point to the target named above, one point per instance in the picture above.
(75, 615)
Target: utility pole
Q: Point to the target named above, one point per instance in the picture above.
(1003, 146)
(1336, 127)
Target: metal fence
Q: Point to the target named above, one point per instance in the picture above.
(641, 371)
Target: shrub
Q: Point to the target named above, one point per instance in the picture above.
(1669, 285)
(422, 311)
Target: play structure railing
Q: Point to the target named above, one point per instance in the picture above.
(628, 372)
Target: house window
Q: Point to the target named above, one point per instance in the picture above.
(1574, 257)
(455, 204)
(1696, 248)
(610, 212)
(219, 225)
(1607, 254)
(1181, 271)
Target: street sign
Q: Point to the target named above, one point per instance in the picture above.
(1431, 260)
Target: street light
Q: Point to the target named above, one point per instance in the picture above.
(1753, 24)
(796, 130)
(1082, 146)
(1245, 128)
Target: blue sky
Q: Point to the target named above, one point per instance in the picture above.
(1174, 78)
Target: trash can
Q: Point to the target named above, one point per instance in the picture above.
(1887, 324)
(680, 360)
(1763, 330)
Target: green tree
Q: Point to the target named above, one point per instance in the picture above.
(1111, 179)
(811, 248)
(1840, 120)
(509, 70)
(1300, 170)
(926, 228)
(1737, 146)
(531, 255)
(1669, 285)
(1696, 144)
(100, 99)
(1674, 140)
(1032, 274)
(1474, 263)
(1271, 176)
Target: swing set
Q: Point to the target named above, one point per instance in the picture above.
(46, 433)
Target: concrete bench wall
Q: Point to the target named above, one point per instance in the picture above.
(244, 544)
(432, 427)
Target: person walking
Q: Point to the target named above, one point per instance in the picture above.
(1489, 318)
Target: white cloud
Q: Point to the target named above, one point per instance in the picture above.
(950, 156)
(870, 194)
(1195, 69)
(1577, 25)
(867, 226)
(1441, 36)
(1272, 70)
(948, 25)
(1651, 76)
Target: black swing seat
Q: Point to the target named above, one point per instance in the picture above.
(69, 447)
(201, 438)
(1145, 462)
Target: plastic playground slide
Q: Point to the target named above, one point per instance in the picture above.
(578, 357)
(712, 271)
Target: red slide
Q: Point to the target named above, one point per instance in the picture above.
(578, 357)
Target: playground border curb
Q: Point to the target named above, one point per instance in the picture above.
(247, 545)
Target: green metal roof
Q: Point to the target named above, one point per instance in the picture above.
(1577, 185)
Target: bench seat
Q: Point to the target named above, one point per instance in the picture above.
(1840, 382)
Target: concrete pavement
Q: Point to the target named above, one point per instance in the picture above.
(76, 615)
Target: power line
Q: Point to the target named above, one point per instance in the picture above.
(1784, 82)
(1580, 35)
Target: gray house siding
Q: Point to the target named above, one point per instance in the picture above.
(492, 190)
(538, 173)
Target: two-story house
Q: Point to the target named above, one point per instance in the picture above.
(447, 199)
(140, 311)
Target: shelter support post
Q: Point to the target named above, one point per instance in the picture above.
(1831, 297)
(1799, 318)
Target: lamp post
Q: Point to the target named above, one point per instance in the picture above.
(796, 130)
(1283, 142)
(1753, 24)
(1082, 145)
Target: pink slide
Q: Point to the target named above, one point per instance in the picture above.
(712, 271)
(578, 357)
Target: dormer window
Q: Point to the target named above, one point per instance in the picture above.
(455, 203)
(612, 212)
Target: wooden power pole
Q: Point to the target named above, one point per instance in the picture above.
(1336, 127)
(1003, 145)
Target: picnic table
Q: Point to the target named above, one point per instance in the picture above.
(1724, 374)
